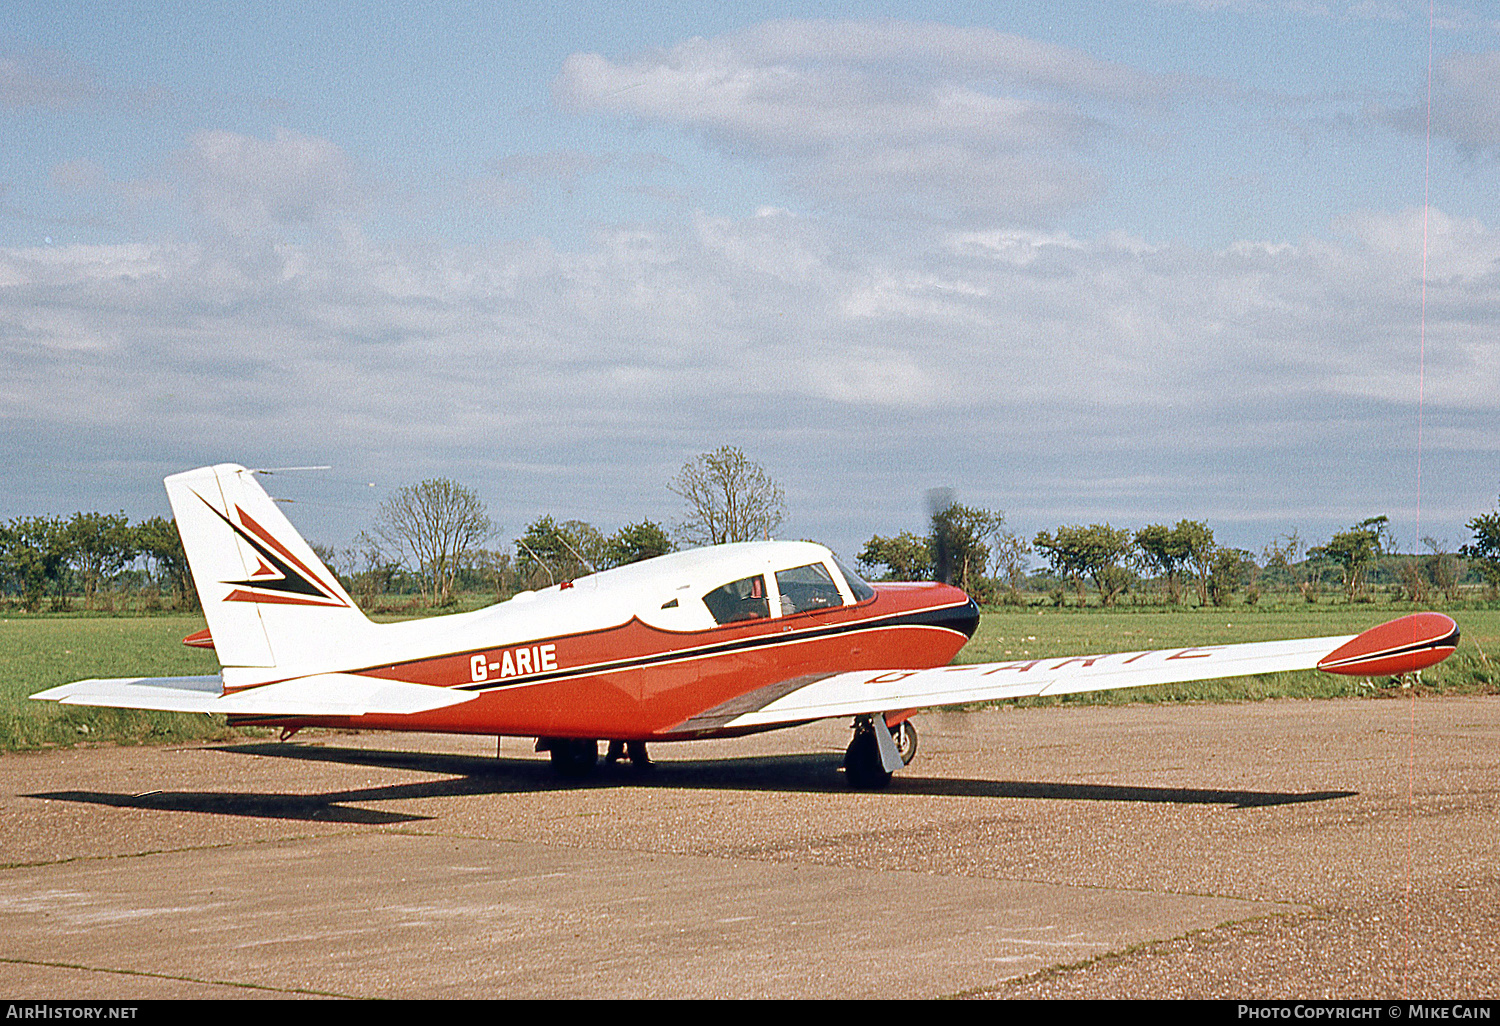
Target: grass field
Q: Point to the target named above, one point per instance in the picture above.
(38, 652)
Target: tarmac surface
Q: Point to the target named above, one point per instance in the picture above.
(1334, 849)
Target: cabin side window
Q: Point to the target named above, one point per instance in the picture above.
(807, 587)
(744, 599)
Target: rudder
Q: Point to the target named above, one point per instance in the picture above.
(269, 600)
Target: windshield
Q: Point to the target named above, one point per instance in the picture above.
(807, 587)
(857, 585)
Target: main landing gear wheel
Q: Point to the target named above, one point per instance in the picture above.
(864, 768)
(572, 757)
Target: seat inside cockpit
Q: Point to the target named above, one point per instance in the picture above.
(745, 599)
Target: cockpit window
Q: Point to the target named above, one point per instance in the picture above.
(739, 600)
(807, 587)
(857, 585)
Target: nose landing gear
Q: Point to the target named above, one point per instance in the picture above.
(905, 736)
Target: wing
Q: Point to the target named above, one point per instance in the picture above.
(1410, 643)
(321, 694)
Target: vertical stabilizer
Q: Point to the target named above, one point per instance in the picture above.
(269, 600)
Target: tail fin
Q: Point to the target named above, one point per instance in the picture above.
(269, 600)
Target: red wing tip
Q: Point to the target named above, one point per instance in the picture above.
(1411, 643)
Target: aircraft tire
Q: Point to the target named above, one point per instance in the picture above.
(862, 768)
(905, 735)
(574, 758)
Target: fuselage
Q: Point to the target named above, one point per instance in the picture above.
(644, 651)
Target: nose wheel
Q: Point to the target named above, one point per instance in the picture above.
(877, 751)
(905, 736)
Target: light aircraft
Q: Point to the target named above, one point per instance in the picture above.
(711, 642)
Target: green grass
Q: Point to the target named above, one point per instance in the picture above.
(39, 652)
(42, 651)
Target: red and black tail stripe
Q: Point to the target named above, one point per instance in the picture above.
(282, 577)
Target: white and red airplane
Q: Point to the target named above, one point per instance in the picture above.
(712, 642)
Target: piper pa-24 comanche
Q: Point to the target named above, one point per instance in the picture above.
(711, 642)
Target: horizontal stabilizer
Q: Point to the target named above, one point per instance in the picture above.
(164, 694)
(322, 694)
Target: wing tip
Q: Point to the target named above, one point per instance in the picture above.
(1398, 646)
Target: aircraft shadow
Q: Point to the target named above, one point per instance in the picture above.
(463, 775)
(814, 773)
(321, 808)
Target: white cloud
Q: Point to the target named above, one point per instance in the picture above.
(1013, 247)
(953, 51)
(971, 354)
(916, 119)
(1457, 250)
(250, 186)
(770, 305)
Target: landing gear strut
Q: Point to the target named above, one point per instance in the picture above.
(876, 752)
(635, 751)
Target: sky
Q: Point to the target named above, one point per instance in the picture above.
(1129, 262)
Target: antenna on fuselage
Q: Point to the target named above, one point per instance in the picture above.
(282, 470)
(538, 562)
(564, 539)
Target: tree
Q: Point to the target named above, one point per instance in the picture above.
(434, 525)
(99, 546)
(1285, 558)
(1485, 548)
(1011, 563)
(960, 537)
(1230, 569)
(157, 539)
(729, 498)
(635, 542)
(496, 570)
(1441, 567)
(1355, 551)
(372, 571)
(1195, 540)
(1163, 552)
(1097, 552)
(957, 550)
(34, 554)
(905, 557)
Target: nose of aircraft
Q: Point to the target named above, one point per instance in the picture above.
(962, 617)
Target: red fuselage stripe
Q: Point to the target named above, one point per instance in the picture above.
(658, 653)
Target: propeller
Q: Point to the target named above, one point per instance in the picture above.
(939, 501)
